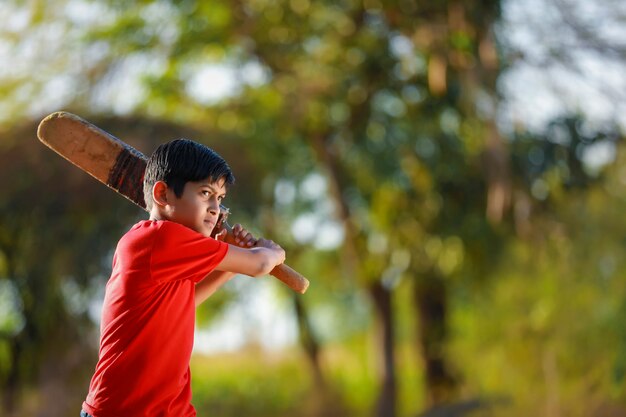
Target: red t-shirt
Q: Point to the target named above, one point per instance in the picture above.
(148, 320)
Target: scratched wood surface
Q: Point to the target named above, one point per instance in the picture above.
(97, 152)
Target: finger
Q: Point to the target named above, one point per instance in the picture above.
(236, 233)
(250, 240)
(221, 235)
(241, 236)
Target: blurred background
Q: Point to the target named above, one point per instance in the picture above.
(450, 175)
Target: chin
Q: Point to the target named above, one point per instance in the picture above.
(207, 231)
(203, 230)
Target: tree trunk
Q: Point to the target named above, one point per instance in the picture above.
(381, 296)
(309, 344)
(430, 301)
(11, 382)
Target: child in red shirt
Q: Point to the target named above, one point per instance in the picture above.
(162, 269)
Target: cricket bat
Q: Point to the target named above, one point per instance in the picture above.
(119, 166)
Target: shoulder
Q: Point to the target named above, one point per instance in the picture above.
(169, 231)
(144, 229)
(155, 227)
(138, 241)
(160, 232)
(148, 232)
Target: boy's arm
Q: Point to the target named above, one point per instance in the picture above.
(249, 256)
(210, 284)
(213, 281)
(254, 262)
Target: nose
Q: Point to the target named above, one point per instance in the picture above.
(214, 207)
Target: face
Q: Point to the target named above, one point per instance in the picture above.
(199, 206)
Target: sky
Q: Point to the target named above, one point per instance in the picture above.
(557, 70)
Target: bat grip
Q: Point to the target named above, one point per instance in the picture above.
(292, 278)
(289, 276)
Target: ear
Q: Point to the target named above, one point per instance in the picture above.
(159, 193)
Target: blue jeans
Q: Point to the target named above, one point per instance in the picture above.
(84, 414)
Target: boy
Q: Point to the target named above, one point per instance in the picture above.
(163, 267)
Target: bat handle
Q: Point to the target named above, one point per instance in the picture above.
(289, 276)
(292, 278)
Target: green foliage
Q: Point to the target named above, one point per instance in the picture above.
(55, 240)
(557, 340)
(393, 104)
(248, 384)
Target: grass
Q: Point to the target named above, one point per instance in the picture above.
(251, 382)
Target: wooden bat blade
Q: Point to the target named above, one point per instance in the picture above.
(118, 166)
(103, 156)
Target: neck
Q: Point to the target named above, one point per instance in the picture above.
(157, 215)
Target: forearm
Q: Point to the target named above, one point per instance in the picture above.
(210, 284)
(254, 262)
(271, 258)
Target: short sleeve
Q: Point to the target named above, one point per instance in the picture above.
(182, 253)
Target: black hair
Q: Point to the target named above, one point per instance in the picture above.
(180, 161)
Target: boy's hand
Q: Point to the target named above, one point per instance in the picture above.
(270, 244)
(244, 239)
(240, 237)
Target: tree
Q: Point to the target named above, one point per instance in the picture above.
(56, 231)
(397, 105)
